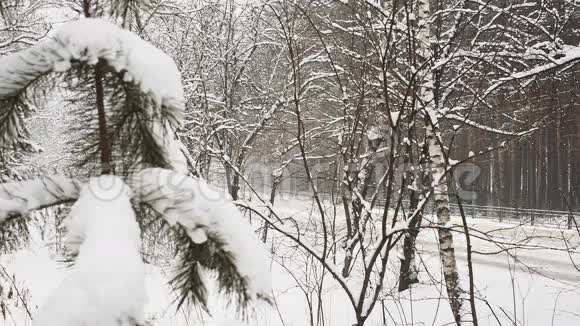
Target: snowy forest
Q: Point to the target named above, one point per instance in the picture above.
(289, 163)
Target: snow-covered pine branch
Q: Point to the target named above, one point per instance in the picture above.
(139, 99)
(214, 236)
(153, 104)
(20, 198)
(107, 283)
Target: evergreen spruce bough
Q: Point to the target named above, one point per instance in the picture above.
(132, 105)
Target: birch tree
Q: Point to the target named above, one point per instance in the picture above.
(432, 71)
(128, 134)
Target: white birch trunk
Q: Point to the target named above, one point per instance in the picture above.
(438, 164)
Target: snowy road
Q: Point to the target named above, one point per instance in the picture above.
(539, 250)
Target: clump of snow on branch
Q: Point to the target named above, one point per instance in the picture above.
(91, 40)
(19, 198)
(206, 213)
(107, 283)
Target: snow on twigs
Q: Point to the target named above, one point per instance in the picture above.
(205, 212)
(107, 283)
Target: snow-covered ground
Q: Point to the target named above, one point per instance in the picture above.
(546, 292)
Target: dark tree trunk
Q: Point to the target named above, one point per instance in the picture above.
(104, 145)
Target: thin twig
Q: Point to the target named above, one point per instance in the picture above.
(17, 291)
